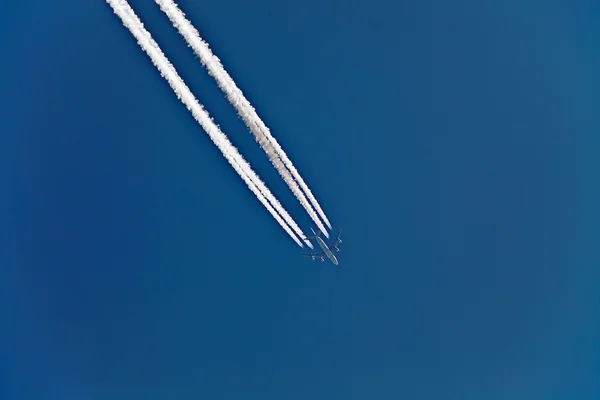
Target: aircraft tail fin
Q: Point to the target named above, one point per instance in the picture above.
(315, 233)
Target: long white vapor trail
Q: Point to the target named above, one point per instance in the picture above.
(167, 71)
(248, 114)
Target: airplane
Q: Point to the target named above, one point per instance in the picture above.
(326, 250)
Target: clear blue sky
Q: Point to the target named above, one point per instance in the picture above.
(456, 143)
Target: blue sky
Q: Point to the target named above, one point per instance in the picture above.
(456, 145)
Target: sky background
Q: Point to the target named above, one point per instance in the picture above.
(456, 143)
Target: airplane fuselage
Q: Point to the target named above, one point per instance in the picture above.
(326, 250)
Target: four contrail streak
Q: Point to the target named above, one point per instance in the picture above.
(248, 114)
(167, 71)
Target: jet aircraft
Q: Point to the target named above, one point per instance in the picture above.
(326, 249)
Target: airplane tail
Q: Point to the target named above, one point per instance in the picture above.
(315, 234)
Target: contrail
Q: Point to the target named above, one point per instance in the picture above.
(167, 71)
(248, 114)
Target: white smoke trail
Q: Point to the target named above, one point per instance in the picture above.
(248, 114)
(167, 71)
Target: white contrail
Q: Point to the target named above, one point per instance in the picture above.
(248, 114)
(167, 71)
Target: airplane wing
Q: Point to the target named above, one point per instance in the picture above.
(314, 256)
(337, 240)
